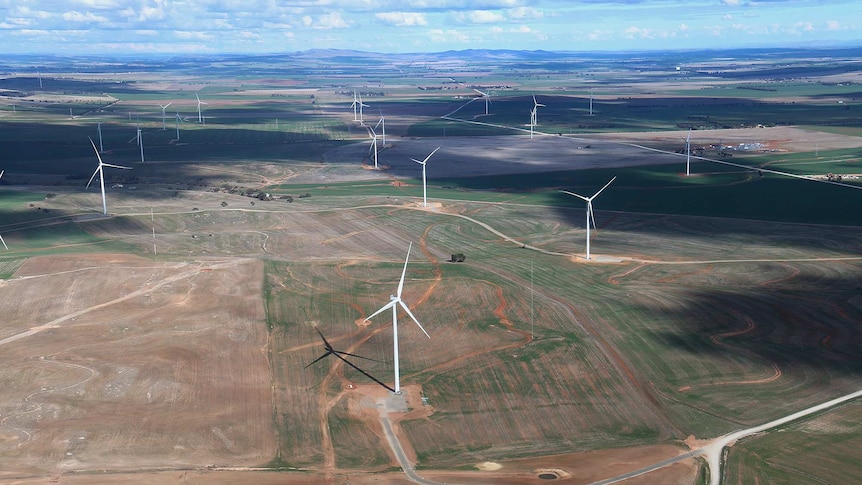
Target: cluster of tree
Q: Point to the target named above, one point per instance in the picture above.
(833, 177)
(458, 258)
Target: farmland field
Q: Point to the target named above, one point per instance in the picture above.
(175, 334)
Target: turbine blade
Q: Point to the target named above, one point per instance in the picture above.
(382, 309)
(4, 243)
(93, 176)
(364, 373)
(168, 105)
(429, 156)
(417, 161)
(95, 150)
(319, 358)
(576, 195)
(592, 215)
(354, 355)
(603, 188)
(116, 166)
(325, 343)
(404, 271)
(410, 314)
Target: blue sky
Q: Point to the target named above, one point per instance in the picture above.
(134, 27)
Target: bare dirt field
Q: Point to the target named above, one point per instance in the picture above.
(117, 362)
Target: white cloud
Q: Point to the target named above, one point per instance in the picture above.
(402, 19)
(447, 36)
(525, 13)
(638, 33)
(727, 16)
(327, 21)
(480, 17)
(75, 16)
(98, 4)
(833, 25)
(192, 35)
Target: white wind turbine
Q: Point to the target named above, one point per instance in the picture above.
(424, 186)
(590, 215)
(164, 126)
(141, 144)
(361, 105)
(102, 176)
(688, 152)
(1, 237)
(394, 302)
(178, 126)
(355, 106)
(200, 116)
(487, 98)
(536, 106)
(382, 124)
(373, 148)
(534, 115)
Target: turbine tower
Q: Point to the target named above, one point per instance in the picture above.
(178, 127)
(102, 176)
(141, 144)
(361, 105)
(355, 106)
(200, 116)
(373, 147)
(487, 98)
(688, 153)
(164, 125)
(382, 124)
(424, 186)
(536, 106)
(394, 302)
(591, 102)
(590, 216)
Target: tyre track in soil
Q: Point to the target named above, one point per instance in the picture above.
(610, 352)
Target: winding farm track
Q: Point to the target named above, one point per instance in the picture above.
(715, 449)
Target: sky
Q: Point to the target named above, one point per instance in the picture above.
(138, 27)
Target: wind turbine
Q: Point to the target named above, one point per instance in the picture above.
(373, 147)
(361, 105)
(424, 187)
(534, 115)
(688, 152)
(590, 215)
(200, 117)
(1, 237)
(102, 176)
(178, 127)
(487, 99)
(394, 302)
(355, 106)
(382, 124)
(141, 144)
(337, 353)
(536, 106)
(164, 127)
